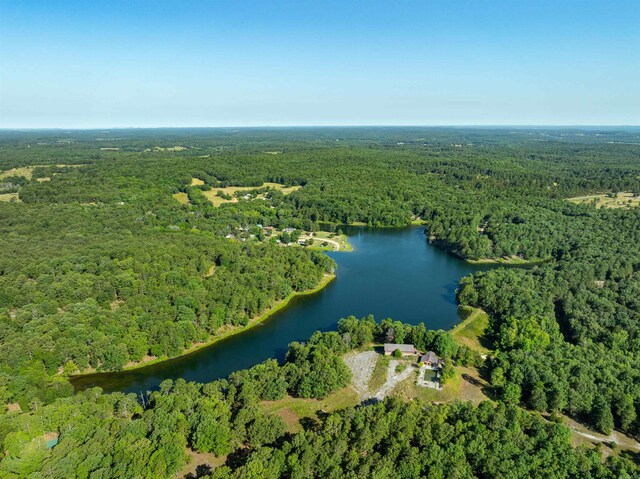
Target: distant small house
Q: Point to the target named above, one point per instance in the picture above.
(432, 360)
(289, 230)
(405, 349)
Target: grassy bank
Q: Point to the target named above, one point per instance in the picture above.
(335, 242)
(471, 331)
(511, 260)
(233, 330)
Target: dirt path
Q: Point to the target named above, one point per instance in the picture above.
(333, 242)
(393, 379)
(622, 440)
(362, 366)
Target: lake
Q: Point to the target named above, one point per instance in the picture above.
(391, 273)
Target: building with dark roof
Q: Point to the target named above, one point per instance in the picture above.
(405, 349)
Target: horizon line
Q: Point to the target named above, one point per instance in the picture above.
(470, 125)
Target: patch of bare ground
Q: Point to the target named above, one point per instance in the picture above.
(199, 464)
(289, 417)
(581, 433)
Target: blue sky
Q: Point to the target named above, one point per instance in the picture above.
(92, 64)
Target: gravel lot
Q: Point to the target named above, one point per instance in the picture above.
(362, 366)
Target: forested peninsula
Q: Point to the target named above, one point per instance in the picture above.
(124, 245)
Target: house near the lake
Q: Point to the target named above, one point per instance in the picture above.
(431, 360)
(405, 349)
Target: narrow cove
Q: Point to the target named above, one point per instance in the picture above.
(392, 272)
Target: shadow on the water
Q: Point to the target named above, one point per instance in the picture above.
(450, 292)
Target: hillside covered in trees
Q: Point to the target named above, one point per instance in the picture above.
(101, 267)
(124, 436)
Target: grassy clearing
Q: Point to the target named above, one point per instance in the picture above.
(196, 182)
(286, 190)
(26, 171)
(199, 459)
(335, 242)
(8, 197)
(611, 445)
(170, 148)
(620, 200)
(182, 198)
(471, 331)
(458, 388)
(212, 195)
(379, 376)
(291, 409)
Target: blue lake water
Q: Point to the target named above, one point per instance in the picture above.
(391, 273)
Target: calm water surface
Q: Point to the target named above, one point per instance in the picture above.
(391, 273)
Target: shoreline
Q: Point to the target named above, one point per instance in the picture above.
(253, 322)
(511, 261)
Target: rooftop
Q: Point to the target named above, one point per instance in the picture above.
(405, 348)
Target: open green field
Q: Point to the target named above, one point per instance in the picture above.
(181, 198)
(379, 375)
(26, 171)
(170, 148)
(212, 195)
(291, 409)
(466, 385)
(334, 242)
(471, 331)
(7, 197)
(620, 200)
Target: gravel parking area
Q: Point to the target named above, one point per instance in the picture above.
(362, 366)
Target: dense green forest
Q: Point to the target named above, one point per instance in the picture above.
(125, 436)
(101, 267)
